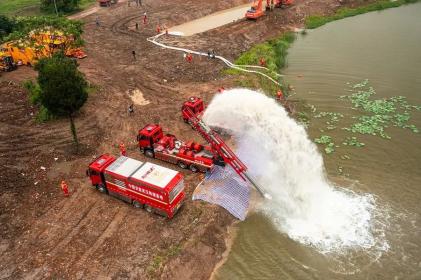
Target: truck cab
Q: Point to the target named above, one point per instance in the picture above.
(96, 171)
(195, 105)
(148, 136)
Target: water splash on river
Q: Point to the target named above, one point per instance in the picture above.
(305, 204)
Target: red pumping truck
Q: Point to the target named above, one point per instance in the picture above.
(191, 112)
(145, 185)
(187, 155)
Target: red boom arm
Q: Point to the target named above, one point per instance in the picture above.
(219, 146)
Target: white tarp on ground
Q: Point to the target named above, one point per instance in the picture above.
(224, 187)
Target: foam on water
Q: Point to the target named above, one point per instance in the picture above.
(279, 154)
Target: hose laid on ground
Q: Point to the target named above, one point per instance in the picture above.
(242, 68)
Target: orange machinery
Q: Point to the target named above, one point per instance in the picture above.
(256, 10)
(39, 45)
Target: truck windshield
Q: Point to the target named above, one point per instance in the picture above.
(176, 190)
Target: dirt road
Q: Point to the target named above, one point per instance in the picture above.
(89, 235)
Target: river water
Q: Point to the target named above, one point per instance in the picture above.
(385, 48)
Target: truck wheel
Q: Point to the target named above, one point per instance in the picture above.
(149, 153)
(142, 151)
(101, 188)
(137, 204)
(194, 168)
(182, 164)
(148, 208)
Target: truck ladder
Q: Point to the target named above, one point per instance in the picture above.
(219, 146)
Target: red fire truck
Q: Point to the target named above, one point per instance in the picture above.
(143, 184)
(195, 105)
(194, 156)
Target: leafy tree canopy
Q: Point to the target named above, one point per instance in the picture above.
(23, 26)
(63, 87)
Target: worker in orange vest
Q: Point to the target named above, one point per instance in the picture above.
(65, 188)
(158, 29)
(145, 18)
(262, 62)
(279, 95)
(189, 57)
(122, 149)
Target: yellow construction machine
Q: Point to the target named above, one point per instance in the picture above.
(6, 62)
(39, 44)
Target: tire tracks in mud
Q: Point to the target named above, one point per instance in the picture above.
(21, 136)
(62, 237)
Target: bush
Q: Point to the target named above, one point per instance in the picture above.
(34, 89)
(6, 26)
(34, 92)
(44, 115)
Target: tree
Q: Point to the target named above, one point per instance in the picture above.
(6, 26)
(62, 6)
(63, 87)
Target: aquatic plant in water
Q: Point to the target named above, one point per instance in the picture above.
(374, 116)
(327, 141)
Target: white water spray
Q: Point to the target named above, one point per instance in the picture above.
(279, 154)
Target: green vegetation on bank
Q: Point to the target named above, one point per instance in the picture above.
(316, 21)
(39, 7)
(274, 53)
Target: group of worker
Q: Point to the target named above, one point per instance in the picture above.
(189, 57)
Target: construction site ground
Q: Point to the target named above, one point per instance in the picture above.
(45, 235)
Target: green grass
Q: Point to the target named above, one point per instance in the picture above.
(14, 7)
(31, 7)
(159, 260)
(83, 4)
(316, 21)
(274, 52)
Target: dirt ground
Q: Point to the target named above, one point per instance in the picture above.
(44, 235)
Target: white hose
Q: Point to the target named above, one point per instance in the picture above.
(153, 40)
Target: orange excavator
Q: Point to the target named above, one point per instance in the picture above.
(256, 10)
